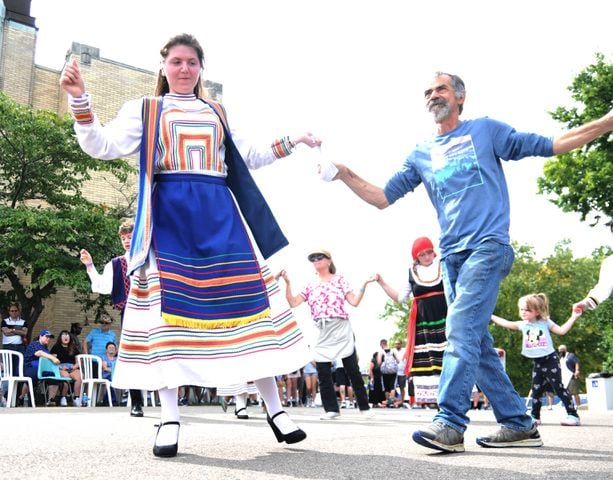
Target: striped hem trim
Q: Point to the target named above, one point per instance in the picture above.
(425, 370)
(180, 321)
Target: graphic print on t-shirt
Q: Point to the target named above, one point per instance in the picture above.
(455, 166)
(535, 337)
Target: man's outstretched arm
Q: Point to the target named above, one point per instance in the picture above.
(579, 136)
(363, 189)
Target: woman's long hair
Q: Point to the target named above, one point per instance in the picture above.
(188, 40)
(72, 348)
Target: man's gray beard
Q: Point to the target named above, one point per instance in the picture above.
(441, 112)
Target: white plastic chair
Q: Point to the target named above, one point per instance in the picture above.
(91, 375)
(12, 378)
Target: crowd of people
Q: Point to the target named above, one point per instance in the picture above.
(199, 306)
(300, 388)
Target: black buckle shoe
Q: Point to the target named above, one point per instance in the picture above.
(292, 437)
(166, 451)
(137, 411)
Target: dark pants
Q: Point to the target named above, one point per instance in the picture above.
(326, 383)
(136, 397)
(546, 370)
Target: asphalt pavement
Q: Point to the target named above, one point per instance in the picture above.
(106, 443)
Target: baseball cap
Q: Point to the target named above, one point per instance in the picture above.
(46, 333)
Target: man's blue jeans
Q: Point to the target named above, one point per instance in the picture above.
(472, 280)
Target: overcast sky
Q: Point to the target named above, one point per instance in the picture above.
(354, 72)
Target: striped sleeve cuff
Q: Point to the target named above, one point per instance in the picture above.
(81, 109)
(282, 147)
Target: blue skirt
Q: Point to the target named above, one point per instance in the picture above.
(209, 273)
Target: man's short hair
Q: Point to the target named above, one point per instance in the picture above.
(458, 86)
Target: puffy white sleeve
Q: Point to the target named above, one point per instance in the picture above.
(604, 287)
(258, 155)
(405, 293)
(118, 138)
(102, 283)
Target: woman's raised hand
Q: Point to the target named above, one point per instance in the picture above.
(71, 79)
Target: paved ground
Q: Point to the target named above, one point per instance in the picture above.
(106, 443)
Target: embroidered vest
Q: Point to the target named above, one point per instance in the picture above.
(121, 282)
(252, 204)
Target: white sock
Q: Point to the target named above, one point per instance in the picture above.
(268, 390)
(241, 402)
(168, 434)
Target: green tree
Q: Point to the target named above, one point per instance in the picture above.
(580, 180)
(44, 217)
(399, 314)
(565, 280)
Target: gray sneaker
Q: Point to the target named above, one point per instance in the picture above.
(509, 437)
(440, 436)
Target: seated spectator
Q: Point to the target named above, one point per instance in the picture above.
(108, 366)
(66, 350)
(37, 349)
(108, 360)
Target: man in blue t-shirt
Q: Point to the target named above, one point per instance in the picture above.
(97, 338)
(461, 169)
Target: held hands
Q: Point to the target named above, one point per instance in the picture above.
(585, 304)
(282, 274)
(308, 139)
(575, 313)
(71, 80)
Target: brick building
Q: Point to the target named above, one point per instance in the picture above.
(111, 83)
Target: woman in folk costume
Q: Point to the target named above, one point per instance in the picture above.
(426, 340)
(202, 310)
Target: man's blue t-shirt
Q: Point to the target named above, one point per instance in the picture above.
(99, 339)
(463, 175)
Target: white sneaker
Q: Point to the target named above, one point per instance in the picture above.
(63, 402)
(367, 413)
(330, 416)
(571, 421)
(76, 402)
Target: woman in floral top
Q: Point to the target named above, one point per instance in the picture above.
(326, 297)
